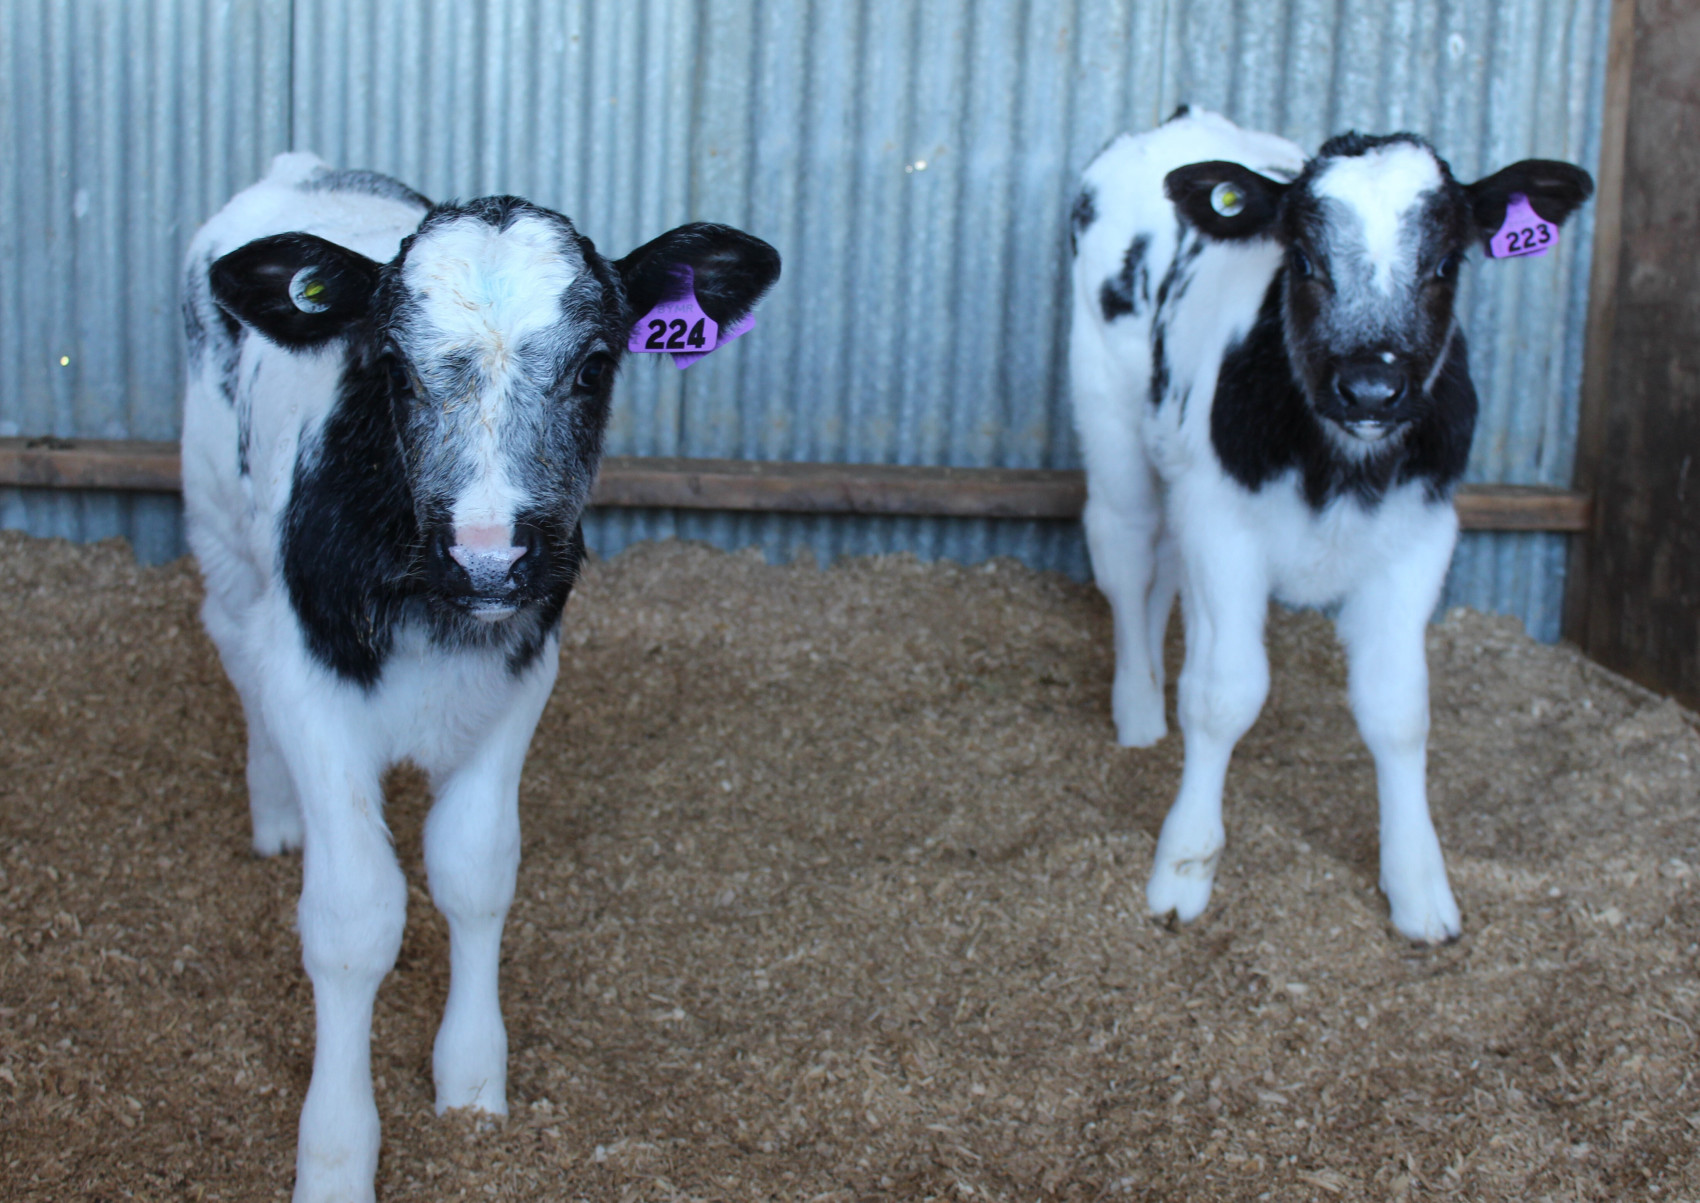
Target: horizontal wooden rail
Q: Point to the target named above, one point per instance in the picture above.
(726, 484)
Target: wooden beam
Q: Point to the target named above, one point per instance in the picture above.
(724, 484)
(1522, 507)
(133, 465)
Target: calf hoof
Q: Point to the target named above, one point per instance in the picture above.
(1180, 885)
(1139, 715)
(1425, 911)
(277, 833)
(277, 819)
(470, 1069)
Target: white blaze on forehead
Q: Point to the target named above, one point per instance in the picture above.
(484, 292)
(1382, 189)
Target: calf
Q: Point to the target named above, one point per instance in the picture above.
(1273, 400)
(393, 419)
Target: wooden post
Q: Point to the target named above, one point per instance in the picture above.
(1635, 596)
(1602, 303)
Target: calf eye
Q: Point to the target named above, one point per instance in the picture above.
(401, 380)
(594, 372)
(1448, 267)
(1302, 264)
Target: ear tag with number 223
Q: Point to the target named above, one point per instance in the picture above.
(1524, 232)
(679, 326)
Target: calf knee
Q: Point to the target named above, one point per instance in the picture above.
(1222, 699)
(355, 926)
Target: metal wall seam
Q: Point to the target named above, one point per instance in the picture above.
(913, 160)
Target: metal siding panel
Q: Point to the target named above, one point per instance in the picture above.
(128, 124)
(922, 315)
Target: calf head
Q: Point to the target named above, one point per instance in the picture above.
(1375, 230)
(486, 350)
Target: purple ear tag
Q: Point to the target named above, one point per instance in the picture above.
(679, 326)
(1524, 231)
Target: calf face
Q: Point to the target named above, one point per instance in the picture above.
(1375, 230)
(484, 354)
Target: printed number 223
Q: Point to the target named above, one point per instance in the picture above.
(1530, 238)
(671, 336)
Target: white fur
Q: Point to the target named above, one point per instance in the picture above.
(1162, 513)
(485, 291)
(1378, 189)
(318, 746)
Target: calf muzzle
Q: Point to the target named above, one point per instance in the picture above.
(1369, 394)
(484, 570)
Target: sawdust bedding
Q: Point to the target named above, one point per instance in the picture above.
(832, 890)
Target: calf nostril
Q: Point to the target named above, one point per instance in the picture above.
(1370, 390)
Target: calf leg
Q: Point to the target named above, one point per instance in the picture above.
(1382, 626)
(1108, 379)
(472, 857)
(1222, 687)
(1123, 522)
(272, 804)
(353, 906)
(1165, 584)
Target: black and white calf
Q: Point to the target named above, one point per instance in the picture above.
(1273, 399)
(393, 420)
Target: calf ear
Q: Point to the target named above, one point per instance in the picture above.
(1555, 191)
(731, 270)
(1224, 200)
(296, 289)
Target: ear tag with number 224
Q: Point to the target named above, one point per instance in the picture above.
(1524, 232)
(679, 326)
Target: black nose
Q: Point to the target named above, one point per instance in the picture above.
(1371, 386)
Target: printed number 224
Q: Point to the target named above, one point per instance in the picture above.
(659, 332)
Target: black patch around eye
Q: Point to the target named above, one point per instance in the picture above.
(595, 373)
(401, 384)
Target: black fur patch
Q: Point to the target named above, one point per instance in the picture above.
(732, 270)
(253, 283)
(1262, 426)
(1192, 187)
(352, 548)
(367, 183)
(1129, 290)
(1081, 217)
(1169, 293)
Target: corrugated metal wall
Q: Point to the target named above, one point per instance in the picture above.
(913, 161)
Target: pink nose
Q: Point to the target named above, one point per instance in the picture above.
(485, 545)
(488, 555)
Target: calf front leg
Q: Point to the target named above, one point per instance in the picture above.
(472, 857)
(1382, 626)
(1222, 688)
(353, 906)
